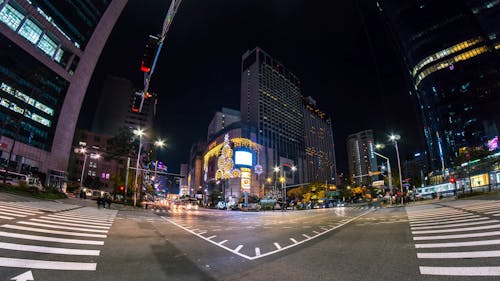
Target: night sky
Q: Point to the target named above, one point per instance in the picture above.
(340, 50)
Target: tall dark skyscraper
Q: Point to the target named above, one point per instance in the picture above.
(48, 51)
(271, 102)
(292, 129)
(452, 51)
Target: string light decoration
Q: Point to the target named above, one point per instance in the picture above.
(225, 163)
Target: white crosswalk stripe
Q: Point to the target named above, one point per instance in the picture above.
(456, 231)
(70, 231)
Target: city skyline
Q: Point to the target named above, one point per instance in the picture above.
(215, 83)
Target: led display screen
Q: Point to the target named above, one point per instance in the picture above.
(243, 158)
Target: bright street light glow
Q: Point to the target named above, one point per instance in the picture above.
(139, 132)
(276, 169)
(294, 168)
(160, 143)
(379, 146)
(394, 137)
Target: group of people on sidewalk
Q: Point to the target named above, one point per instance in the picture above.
(103, 201)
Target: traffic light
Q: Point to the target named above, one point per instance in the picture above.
(149, 54)
(136, 103)
(122, 188)
(453, 180)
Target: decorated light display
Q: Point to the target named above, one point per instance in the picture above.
(225, 163)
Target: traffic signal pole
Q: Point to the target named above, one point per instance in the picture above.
(172, 10)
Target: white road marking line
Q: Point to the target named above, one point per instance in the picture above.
(277, 246)
(19, 211)
(459, 255)
(492, 212)
(48, 250)
(457, 229)
(317, 232)
(458, 244)
(17, 208)
(293, 240)
(80, 219)
(71, 224)
(62, 227)
(445, 217)
(453, 225)
(456, 236)
(434, 213)
(84, 217)
(267, 253)
(18, 227)
(13, 214)
(50, 239)
(222, 242)
(6, 218)
(496, 215)
(257, 251)
(433, 222)
(212, 237)
(77, 221)
(203, 232)
(41, 264)
(306, 236)
(461, 271)
(238, 248)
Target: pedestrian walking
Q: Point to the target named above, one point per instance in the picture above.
(108, 200)
(99, 202)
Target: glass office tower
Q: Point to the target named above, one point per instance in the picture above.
(48, 51)
(452, 51)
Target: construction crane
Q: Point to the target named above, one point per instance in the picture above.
(152, 52)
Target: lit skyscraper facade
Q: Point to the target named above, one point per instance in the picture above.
(48, 51)
(271, 102)
(361, 157)
(319, 146)
(452, 51)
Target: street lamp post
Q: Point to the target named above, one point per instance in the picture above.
(276, 171)
(394, 139)
(388, 171)
(160, 143)
(283, 190)
(83, 151)
(139, 133)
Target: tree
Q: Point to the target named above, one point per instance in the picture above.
(123, 144)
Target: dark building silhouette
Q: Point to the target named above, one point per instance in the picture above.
(452, 51)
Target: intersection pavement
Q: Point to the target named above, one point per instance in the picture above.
(74, 240)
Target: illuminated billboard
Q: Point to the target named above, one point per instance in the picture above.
(243, 158)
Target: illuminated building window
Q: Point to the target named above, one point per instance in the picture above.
(47, 45)
(30, 31)
(449, 62)
(11, 17)
(446, 52)
(27, 99)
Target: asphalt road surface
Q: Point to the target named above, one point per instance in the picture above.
(74, 240)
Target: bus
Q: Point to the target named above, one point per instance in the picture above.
(429, 192)
(13, 178)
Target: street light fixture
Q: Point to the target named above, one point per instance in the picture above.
(276, 171)
(394, 139)
(83, 151)
(159, 143)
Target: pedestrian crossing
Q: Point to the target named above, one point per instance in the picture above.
(52, 236)
(458, 238)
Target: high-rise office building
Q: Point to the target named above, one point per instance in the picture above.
(116, 108)
(361, 157)
(319, 145)
(271, 102)
(452, 51)
(48, 51)
(221, 120)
